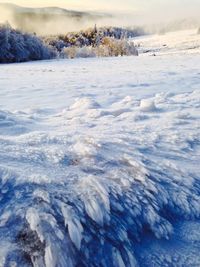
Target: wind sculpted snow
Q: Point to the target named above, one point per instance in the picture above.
(100, 162)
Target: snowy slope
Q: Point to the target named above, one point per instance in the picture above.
(99, 160)
(182, 42)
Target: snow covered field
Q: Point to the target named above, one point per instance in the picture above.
(99, 159)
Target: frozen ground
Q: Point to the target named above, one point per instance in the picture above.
(99, 159)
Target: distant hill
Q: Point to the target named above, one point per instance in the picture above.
(49, 19)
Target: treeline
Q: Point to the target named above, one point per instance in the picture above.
(16, 46)
(91, 37)
(95, 42)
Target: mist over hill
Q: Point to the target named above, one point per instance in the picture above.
(48, 20)
(55, 20)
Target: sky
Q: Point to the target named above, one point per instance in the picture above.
(137, 6)
(137, 12)
(78, 4)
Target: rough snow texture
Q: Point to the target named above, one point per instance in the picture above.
(100, 162)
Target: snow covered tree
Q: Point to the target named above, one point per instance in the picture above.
(16, 46)
(5, 54)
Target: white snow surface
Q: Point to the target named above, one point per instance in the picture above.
(99, 159)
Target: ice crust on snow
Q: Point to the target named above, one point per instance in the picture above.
(74, 225)
(105, 172)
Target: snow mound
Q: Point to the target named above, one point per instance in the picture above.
(147, 105)
(84, 103)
